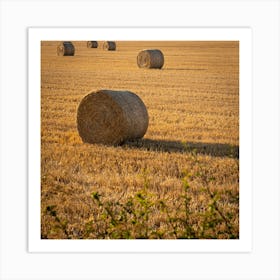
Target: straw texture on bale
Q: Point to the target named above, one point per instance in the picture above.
(65, 49)
(109, 46)
(150, 59)
(92, 44)
(111, 117)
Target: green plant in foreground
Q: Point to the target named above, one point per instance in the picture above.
(188, 231)
(146, 216)
(59, 223)
(129, 219)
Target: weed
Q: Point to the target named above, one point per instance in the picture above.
(131, 217)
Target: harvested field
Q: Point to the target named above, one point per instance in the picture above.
(180, 181)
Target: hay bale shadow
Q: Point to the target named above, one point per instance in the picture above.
(211, 149)
(185, 69)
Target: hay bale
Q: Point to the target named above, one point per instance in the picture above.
(150, 59)
(109, 46)
(111, 117)
(65, 49)
(92, 44)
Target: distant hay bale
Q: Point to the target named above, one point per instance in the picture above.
(65, 49)
(109, 46)
(92, 44)
(111, 117)
(150, 59)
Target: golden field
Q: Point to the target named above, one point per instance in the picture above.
(180, 181)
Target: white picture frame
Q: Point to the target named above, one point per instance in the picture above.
(243, 35)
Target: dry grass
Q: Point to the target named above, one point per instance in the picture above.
(189, 153)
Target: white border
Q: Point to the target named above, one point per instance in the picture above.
(243, 35)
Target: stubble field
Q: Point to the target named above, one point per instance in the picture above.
(180, 181)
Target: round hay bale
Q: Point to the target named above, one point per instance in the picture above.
(65, 49)
(92, 44)
(109, 46)
(111, 117)
(150, 59)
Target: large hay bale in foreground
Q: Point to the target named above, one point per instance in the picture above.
(150, 59)
(65, 49)
(111, 117)
(92, 44)
(109, 46)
